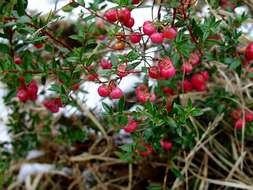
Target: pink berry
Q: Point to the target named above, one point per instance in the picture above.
(32, 90)
(249, 52)
(129, 23)
(148, 28)
(249, 116)
(154, 72)
(167, 68)
(17, 60)
(142, 98)
(103, 91)
(152, 97)
(121, 70)
(186, 67)
(168, 91)
(169, 33)
(22, 94)
(166, 145)
(135, 2)
(157, 38)
(198, 82)
(124, 15)
(111, 15)
(116, 93)
(187, 86)
(92, 77)
(131, 127)
(239, 124)
(105, 64)
(205, 74)
(135, 37)
(194, 58)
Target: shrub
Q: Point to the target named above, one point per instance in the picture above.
(193, 100)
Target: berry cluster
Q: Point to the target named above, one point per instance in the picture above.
(53, 105)
(27, 91)
(239, 122)
(112, 91)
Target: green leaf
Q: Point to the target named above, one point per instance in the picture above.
(196, 112)
(121, 104)
(81, 2)
(107, 108)
(132, 66)
(69, 7)
(4, 48)
(20, 7)
(132, 55)
(236, 63)
(176, 172)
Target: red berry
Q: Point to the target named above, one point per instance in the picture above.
(102, 37)
(49, 104)
(103, 91)
(58, 102)
(22, 94)
(32, 90)
(157, 38)
(239, 124)
(111, 15)
(21, 79)
(167, 68)
(236, 114)
(205, 74)
(169, 33)
(168, 91)
(116, 93)
(148, 28)
(142, 98)
(166, 145)
(143, 94)
(135, 37)
(186, 67)
(121, 70)
(198, 82)
(131, 127)
(187, 86)
(147, 150)
(124, 15)
(17, 60)
(152, 97)
(194, 58)
(154, 72)
(168, 106)
(129, 23)
(249, 116)
(53, 105)
(76, 86)
(227, 4)
(135, 1)
(38, 46)
(105, 64)
(249, 52)
(93, 76)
